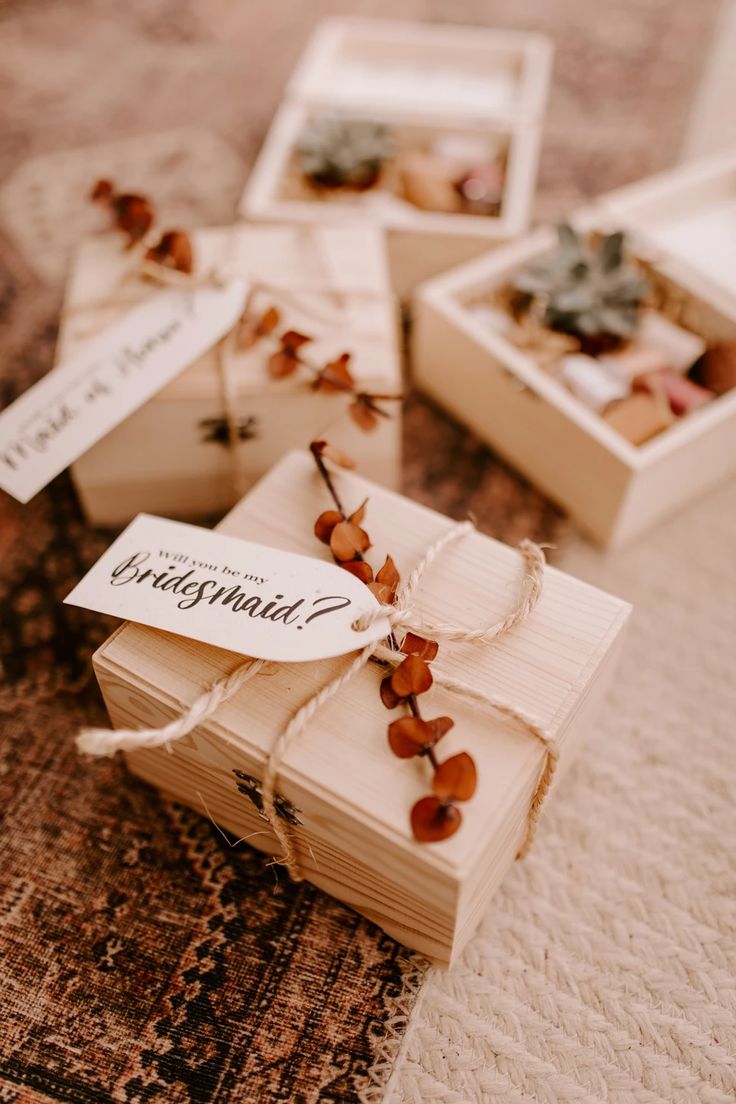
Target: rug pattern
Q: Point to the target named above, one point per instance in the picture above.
(146, 957)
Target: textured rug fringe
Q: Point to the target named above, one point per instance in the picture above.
(389, 1035)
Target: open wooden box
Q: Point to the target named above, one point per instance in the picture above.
(172, 456)
(688, 213)
(469, 81)
(350, 795)
(612, 488)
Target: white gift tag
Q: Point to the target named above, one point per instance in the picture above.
(78, 402)
(248, 598)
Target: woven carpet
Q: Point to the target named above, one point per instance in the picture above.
(604, 968)
(145, 958)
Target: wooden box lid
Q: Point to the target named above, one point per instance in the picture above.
(689, 213)
(354, 61)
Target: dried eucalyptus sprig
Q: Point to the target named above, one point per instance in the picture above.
(173, 250)
(332, 377)
(437, 816)
(134, 215)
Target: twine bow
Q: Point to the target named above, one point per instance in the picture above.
(99, 742)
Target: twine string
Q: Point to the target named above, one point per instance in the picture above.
(106, 742)
(400, 616)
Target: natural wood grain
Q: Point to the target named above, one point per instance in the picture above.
(353, 795)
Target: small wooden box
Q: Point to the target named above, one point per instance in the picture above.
(171, 457)
(350, 794)
(347, 68)
(688, 213)
(612, 488)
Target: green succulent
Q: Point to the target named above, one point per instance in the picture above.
(592, 291)
(337, 152)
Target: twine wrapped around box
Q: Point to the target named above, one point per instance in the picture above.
(101, 742)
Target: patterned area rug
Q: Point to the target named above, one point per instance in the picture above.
(146, 957)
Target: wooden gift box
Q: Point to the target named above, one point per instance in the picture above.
(612, 488)
(343, 71)
(350, 794)
(688, 213)
(171, 457)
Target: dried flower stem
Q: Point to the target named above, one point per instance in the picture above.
(332, 376)
(413, 704)
(343, 385)
(324, 472)
(436, 816)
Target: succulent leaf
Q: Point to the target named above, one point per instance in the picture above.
(590, 290)
(337, 152)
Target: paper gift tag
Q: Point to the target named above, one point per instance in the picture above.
(80, 401)
(248, 598)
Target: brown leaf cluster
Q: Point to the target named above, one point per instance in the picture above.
(333, 377)
(134, 215)
(173, 250)
(437, 816)
(285, 361)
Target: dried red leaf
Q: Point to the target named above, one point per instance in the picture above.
(441, 726)
(252, 329)
(269, 321)
(133, 215)
(409, 736)
(329, 452)
(102, 191)
(335, 376)
(360, 569)
(358, 515)
(415, 731)
(282, 364)
(389, 697)
(347, 540)
(415, 645)
(285, 361)
(432, 820)
(363, 413)
(173, 250)
(386, 584)
(325, 523)
(456, 778)
(412, 676)
(293, 340)
(389, 575)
